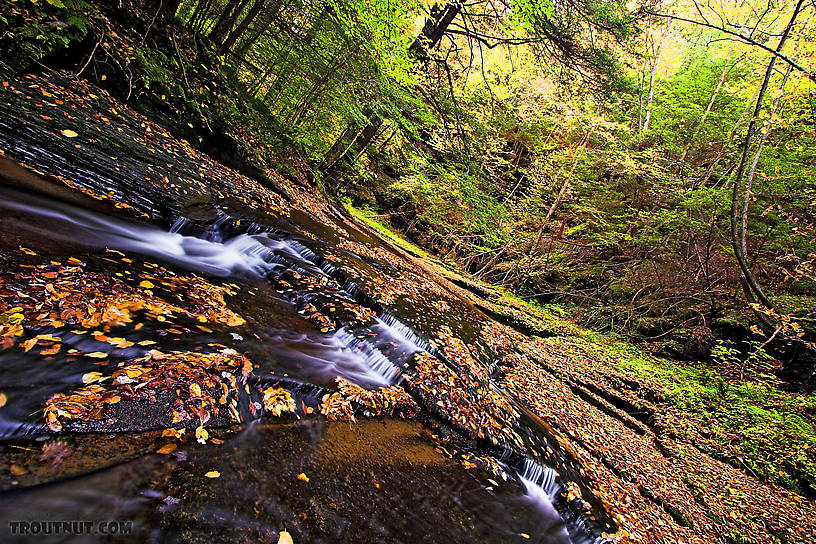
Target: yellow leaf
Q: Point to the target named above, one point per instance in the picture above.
(133, 372)
(195, 390)
(15, 318)
(285, 538)
(302, 477)
(68, 133)
(166, 449)
(28, 344)
(97, 354)
(3, 399)
(201, 434)
(146, 284)
(213, 474)
(91, 377)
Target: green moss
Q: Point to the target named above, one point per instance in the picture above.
(753, 423)
(369, 218)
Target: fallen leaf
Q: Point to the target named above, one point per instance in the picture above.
(52, 350)
(302, 477)
(68, 133)
(97, 354)
(90, 377)
(15, 318)
(166, 449)
(173, 432)
(213, 474)
(285, 538)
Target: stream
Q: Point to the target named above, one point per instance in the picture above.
(371, 356)
(385, 479)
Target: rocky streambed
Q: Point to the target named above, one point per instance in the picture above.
(207, 356)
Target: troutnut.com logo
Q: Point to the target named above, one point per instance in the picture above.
(70, 527)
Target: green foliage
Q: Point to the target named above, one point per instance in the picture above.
(30, 30)
(753, 423)
(525, 13)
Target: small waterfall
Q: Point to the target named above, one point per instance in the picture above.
(541, 477)
(543, 490)
(351, 288)
(303, 251)
(404, 332)
(373, 357)
(179, 224)
(328, 268)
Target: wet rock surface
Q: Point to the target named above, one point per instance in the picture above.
(202, 317)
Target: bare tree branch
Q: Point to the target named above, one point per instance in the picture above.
(743, 38)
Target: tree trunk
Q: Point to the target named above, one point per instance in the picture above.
(434, 29)
(565, 186)
(749, 179)
(258, 31)
(197, 19)
(239, 30)
(227, 20)
(652, 74)
(753, 290)
(700, 124)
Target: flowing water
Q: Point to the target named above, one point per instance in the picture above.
(379, 481)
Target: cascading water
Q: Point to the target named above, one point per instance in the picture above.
(215, 249)
(543, 491)
(371, 354)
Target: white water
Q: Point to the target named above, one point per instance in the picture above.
(341, 354)
(244, 253)
(322, 358)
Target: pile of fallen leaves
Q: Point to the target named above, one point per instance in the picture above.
(320, 300)
(277, 400)
(473, 372)
(350, 399)
(56, 294)
(480, 411)
(203, 383)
